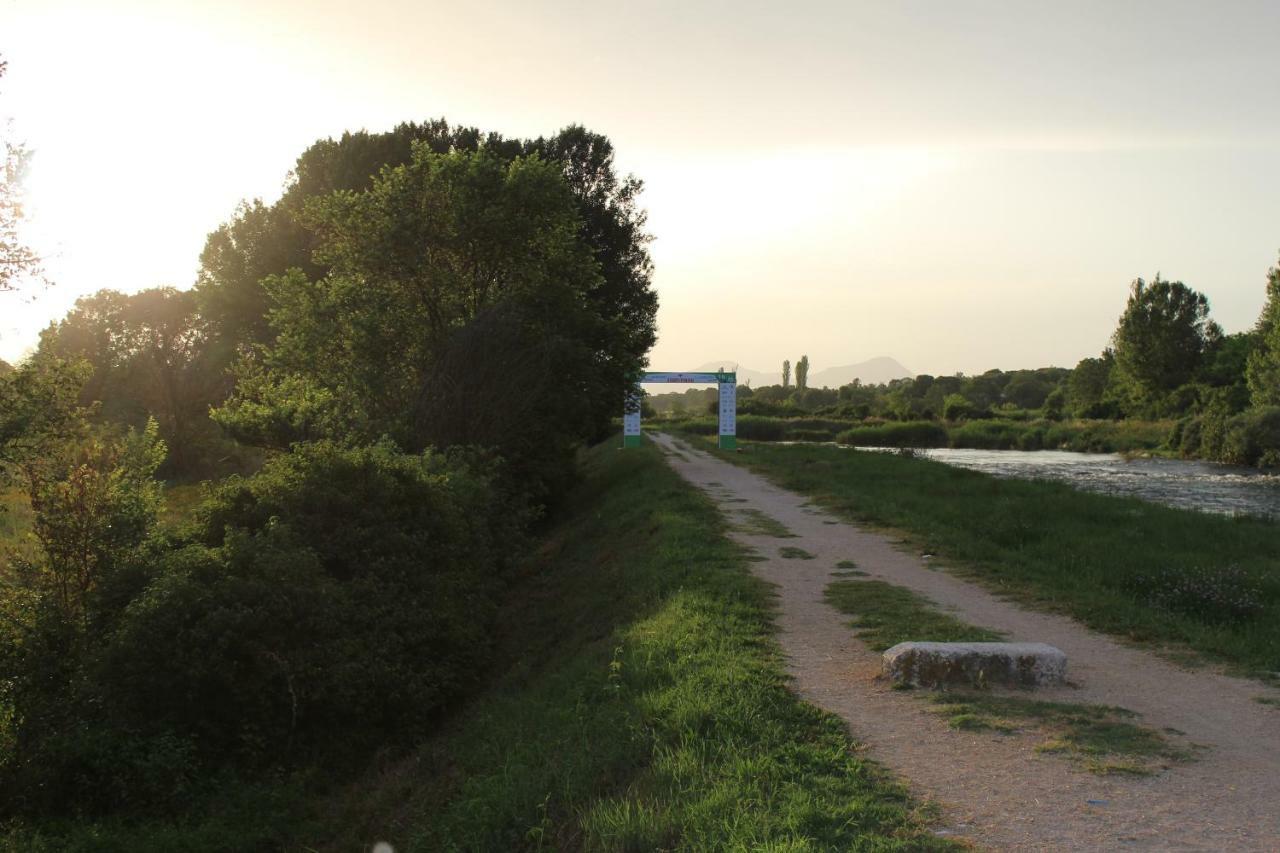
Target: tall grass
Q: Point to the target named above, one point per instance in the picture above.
(896, 434)
(15, 523)
(1134, 569)
(1083, 436)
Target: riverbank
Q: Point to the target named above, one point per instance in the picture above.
(1087, 436)
(1140, 571)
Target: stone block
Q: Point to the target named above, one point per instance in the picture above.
(975, 664)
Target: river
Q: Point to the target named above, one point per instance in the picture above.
(1203, 486)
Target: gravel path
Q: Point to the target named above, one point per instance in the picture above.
(996, 790)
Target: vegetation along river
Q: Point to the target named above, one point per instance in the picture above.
(1203, 486)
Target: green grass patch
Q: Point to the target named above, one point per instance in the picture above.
(885, 615)
(15, 523)
(846, 564)
(1270, 701)
(792, 553)
(753, 522)
(1140, 571)
(1102, 738)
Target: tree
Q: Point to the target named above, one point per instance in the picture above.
(1087, 385)
(458, 309)
(17, 260)
(802, 373)
(262, 241)
(786, 373)
(1161, 339)
(1026, 390)
(39, 407)
(1263, 370)
(149, 358)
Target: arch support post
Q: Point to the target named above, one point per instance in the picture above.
(631, 418)
(728, 411)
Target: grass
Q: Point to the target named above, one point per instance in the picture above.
(848, 569)
(1102, 738)
(753, 522)
(896, 434)
(1140, 571)
(792, 553)
(180, 502)
(885, 615)
(15, 523)
(16, 517)
(1269, 701)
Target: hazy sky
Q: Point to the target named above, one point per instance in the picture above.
(960, 185)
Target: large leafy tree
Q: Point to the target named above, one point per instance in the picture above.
(1163, 335)
(1087, 386)
(149, 358)
(264, 240)
(459, 307)
(1263, 369)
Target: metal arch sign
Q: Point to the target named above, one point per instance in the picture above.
(727, 381)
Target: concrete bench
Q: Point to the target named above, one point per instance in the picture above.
(975, 664)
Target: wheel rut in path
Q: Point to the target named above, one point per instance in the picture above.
(997, 790)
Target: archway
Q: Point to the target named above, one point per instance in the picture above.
(727, 383)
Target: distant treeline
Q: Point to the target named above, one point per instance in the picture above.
(1199, 392)
(398, 361)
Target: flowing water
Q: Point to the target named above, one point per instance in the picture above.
(1203, 486)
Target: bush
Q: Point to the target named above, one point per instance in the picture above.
(328, 605)
(903, 434)
(757, 428)
(1253, 438)
(996, 435)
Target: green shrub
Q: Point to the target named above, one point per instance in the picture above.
(328, 605)
(896, 434)
(990, 435)
(758, 428)
(1252, 438)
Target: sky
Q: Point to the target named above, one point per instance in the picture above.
(958, 185)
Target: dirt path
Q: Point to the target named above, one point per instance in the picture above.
(996, 790)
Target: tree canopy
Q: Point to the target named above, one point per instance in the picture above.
(1263, 369)
(1162, 337)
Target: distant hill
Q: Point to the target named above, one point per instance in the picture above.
(872, 372)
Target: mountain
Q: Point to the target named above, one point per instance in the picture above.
(872, 372)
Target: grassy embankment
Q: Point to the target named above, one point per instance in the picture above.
(642, 706)
(996, 434)
(1138, 570)
(645, 708)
